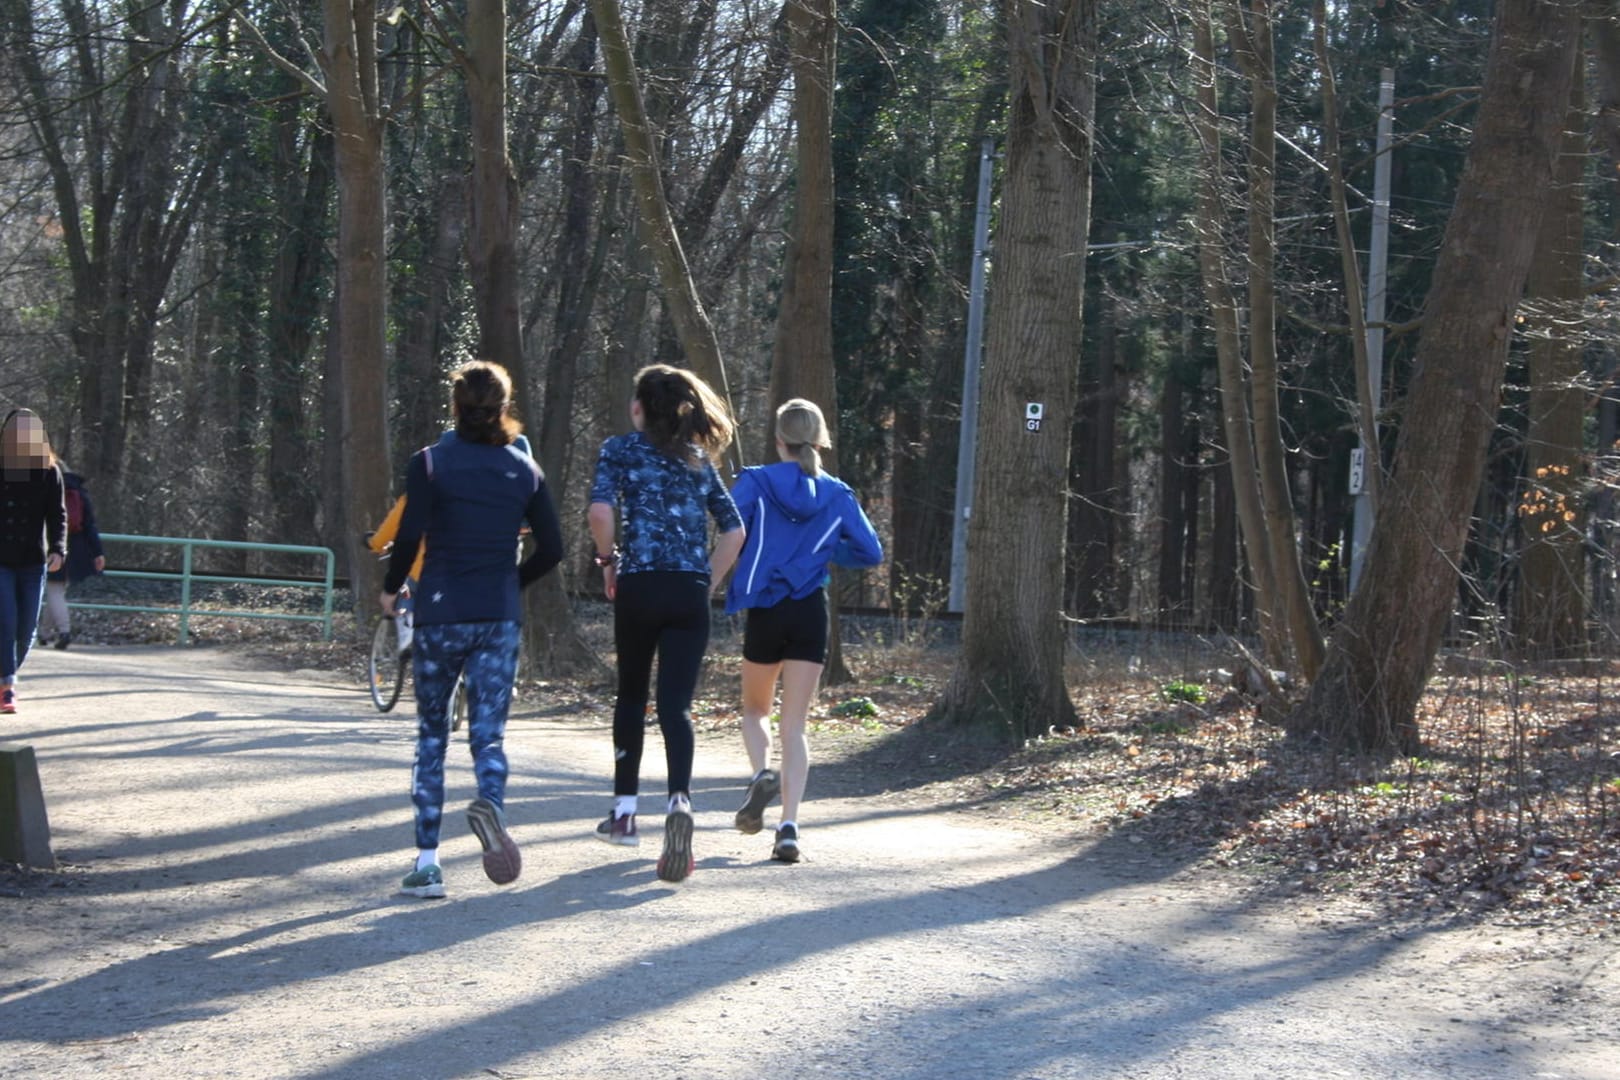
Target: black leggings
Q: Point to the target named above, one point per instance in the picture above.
(663, 614)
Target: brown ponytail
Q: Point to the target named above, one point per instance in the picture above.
(481, 398)
(680, 414)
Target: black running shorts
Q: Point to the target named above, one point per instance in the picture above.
(792, 630)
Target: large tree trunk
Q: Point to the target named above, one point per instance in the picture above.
(1009, 677)
(492, 217)
(1380, 656)
(1551, 599)
(357, 121)
(802, 359)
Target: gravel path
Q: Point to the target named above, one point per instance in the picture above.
(231, 839)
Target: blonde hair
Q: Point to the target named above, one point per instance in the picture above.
(803, 430)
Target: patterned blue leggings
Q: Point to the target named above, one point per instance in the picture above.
(485, 655)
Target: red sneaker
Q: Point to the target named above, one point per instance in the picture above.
(8, 700)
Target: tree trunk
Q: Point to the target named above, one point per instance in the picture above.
(1291, 599)
(357, 121)
(1240, 449)
(1009, 677)
(554, 641)
(1381, 653)
(801, 358)
(1551, 599)
(422, 394)
(293, 306)
(692, 323)
(1093, 588)
(1170, 610)
(492, 217)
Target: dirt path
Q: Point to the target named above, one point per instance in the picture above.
(232, 839)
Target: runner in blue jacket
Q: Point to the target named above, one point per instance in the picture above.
(799, 520)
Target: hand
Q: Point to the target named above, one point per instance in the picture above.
(610, 581)
(101, 563)
(386, 601)
(53, 563)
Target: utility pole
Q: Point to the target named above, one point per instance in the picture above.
(1368, 457)
(967, 444)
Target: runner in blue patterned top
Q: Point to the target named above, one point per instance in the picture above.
(660, 480)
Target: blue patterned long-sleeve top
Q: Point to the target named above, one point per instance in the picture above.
(664, 505)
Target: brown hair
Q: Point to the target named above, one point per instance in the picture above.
(681, 415)
(803, 430)
(481, 397)
(41, 458)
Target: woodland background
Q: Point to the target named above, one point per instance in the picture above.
(216, 348)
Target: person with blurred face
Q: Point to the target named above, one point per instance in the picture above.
(33, 538)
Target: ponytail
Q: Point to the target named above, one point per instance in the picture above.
(680, 414)
(803, 430)
(481, 397)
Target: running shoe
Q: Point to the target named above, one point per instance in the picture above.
(502, 861)
(765, 786)
(676, 862)
(8, 700)
(63, 640)
(786, 848)
(619, 829)
(427, 883)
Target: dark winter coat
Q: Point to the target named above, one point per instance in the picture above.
(33, 521)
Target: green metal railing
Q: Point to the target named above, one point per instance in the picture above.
(185, 577)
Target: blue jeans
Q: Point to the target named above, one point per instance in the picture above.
(21, 588)
(484, 655)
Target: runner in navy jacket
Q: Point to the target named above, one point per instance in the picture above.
(799, 520)
(467, 496)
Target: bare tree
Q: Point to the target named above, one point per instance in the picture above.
(1380, 655)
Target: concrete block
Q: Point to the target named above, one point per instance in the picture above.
(25, 833)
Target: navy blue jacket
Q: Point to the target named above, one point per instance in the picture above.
(797, 524)
(469, 500)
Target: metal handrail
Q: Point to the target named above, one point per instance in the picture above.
(185, 577)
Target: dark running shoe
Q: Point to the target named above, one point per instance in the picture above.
(8, 700)
(502, 862)
(426, 884)
(786, 848)
(63, 640)
(765, 786)
(676, 862)
(619, 829)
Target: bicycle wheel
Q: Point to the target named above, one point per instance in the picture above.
(458, 705)
(385, 668)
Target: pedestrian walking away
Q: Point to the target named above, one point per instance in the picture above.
(467, 495)
(799, 521)
(33, 538)
(85, 558)
(658, 486)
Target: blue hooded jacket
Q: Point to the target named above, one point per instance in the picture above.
(797, 524)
